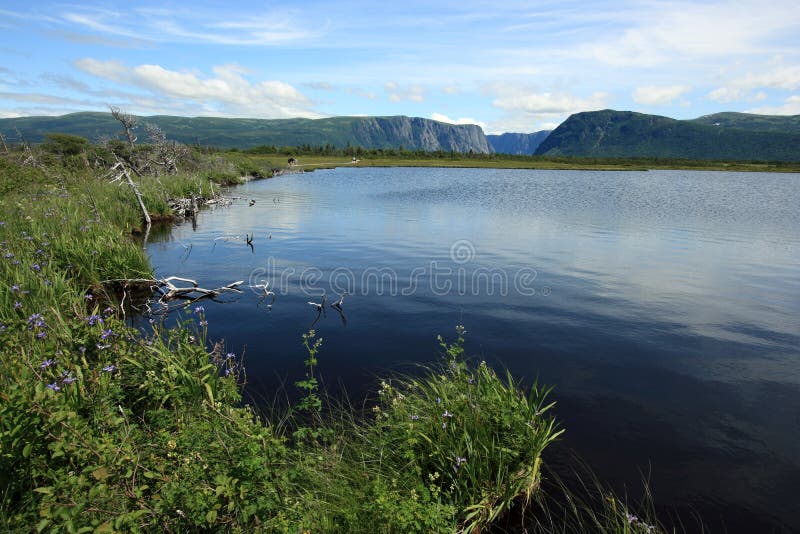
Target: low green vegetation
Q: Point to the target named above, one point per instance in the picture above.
(105, 428)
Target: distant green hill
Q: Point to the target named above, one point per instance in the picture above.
(748, 121)
(369, 132)
(723, 136)
(517, 143)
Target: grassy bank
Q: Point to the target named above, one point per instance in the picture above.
(107, 428)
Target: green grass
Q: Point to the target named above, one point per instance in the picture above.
(107, 428)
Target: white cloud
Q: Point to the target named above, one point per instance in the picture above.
(724, 95)
(369, 95)
(398, 93)
(527, 110)
(658, 96)
(791, 106)
(787, 78)
(464, 120)
(111, 70)
(548, 104)
(662, 32)
(319, 86)
(227, 92)
(195, 26)
(781, 78)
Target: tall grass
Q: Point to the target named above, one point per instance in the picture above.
(107, 428)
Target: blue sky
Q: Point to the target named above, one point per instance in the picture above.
(509, 66)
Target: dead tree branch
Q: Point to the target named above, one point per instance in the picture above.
(122, 172)
(128, 122)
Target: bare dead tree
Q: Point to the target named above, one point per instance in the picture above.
(30, 156)
(3, 140)
(128, 121)
(120, 171)
(166, 154)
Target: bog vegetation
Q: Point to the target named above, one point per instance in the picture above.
(104, 427)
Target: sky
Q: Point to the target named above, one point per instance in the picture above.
(510, 66)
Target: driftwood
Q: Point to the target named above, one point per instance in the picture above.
(170, 291)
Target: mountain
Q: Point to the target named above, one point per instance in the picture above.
(369, 132)
(517, 143)
(723, 136)
(748, 121)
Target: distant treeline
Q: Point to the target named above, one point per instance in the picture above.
(403, 153)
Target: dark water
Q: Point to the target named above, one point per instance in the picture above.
(663, 306)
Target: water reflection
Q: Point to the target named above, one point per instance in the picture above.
(664, 306)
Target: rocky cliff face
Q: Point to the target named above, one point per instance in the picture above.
(368, 132)
(524, 144)
(416, 133)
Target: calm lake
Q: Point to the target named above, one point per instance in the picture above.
(664, 307)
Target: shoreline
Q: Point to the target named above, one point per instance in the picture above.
(314, 162)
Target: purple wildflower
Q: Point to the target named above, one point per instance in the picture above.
(631, 518)
(470, 381)
(203, 323)
(47, 363)
(94, 319)
(415, 417)
(199, 309)
(89, 296)
(438, 400)
(41, 335)
(230, 355)
(68, 380)
(108, 311)
(460, 460)
(110, 368)
(447, 414)
(53, 386)
(8, 255)
(228, 371)
(102, 347)
(36, 267)
(15, 287)
(107, 334)
(17, 305)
